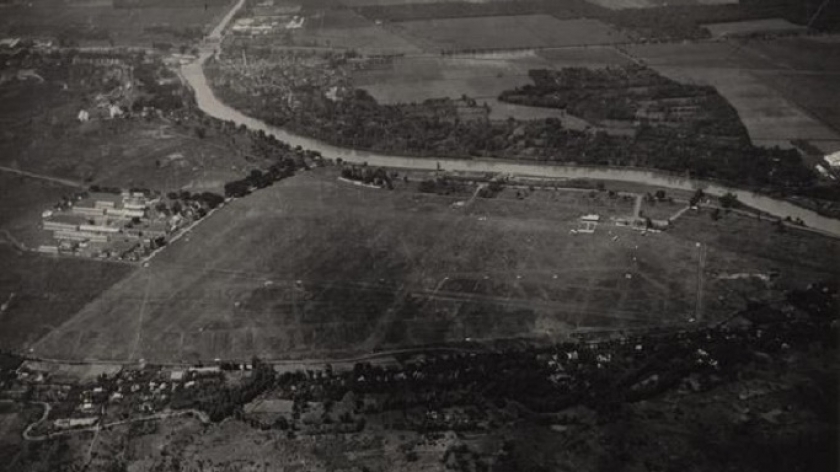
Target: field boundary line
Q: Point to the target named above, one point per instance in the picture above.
(47, 178)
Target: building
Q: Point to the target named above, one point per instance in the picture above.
(51, 225)
(99, 229)
(87, 211)
(125, 213)
(81, 236)
(833, 160)
(588, 223)
(65, 423)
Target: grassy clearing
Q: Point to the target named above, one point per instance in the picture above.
(625, 4)
(47, 292)
(744, 28)
(95, 24)
(780, 94)
(43, 136)
(22, 199)
(415, 79)
(718, 55)
(374, 39)
(313, 267)
(527, 31)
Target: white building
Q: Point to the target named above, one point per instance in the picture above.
(833, 160)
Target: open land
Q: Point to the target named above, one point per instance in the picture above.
(521, 32)
(743, 28)
(778, 98)
(43, 135)
(41, 293)
(624, 4)
(419, 78)
(408, 270)
(22, 200)
(101, 24)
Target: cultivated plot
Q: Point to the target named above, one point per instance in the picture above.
(39, 293)
(519, 32)
(101, 24)
(632, 4)
(419, 78)
(742, 28)
(776, 101)
(373, 39)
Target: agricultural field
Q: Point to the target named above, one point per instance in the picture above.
(520, 32)
(101, 24)
(744, 28)
(22, 199)
(371, 39)
(415, 79)
(778, 97)
(360, 3)
(312, 267)
(46, 138)
(128, 154)
(626, 4)
(38, 293)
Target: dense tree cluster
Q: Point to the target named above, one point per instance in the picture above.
(367, 175)
(631, 93)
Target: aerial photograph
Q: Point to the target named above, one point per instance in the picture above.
(419, 235)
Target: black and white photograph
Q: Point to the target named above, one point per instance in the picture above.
(419, 235)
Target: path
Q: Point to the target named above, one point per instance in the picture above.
(56, 180)
(220, 28)
(155, 417)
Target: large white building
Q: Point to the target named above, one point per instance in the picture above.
(833, 160)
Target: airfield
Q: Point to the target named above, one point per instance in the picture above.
(314, 267)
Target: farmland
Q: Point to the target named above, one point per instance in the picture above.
(42, 132)
(521, 32)
(779, 96)
(312, 267)
(103, 24)
(41, 293)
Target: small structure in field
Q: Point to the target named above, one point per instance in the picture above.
(588, 223)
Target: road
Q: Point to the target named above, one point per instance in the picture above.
(47, 178)
(157, 416)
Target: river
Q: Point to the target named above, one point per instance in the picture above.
(193, 73)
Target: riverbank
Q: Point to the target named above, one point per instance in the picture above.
(206, 100)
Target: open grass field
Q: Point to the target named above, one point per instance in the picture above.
(506, 32)
(42, 292)
(741, 28)
(627, 4)
(418, 78)
(127, 154)
(359, 3)
(22, 199)
(372, 39)
(314, 267)
(42, 135)
(93, 23)
(481, 77)
(778, 97)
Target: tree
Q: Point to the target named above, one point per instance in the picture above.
(728, 200)
(695, 199)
